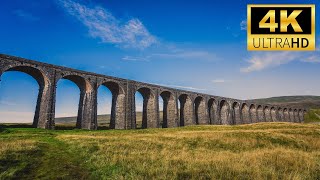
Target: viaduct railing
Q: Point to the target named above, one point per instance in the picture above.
(195, 108)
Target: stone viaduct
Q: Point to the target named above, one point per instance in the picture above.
(195, 108)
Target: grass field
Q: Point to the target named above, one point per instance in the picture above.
(256, 151)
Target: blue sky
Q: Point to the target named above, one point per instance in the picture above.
(194, 45)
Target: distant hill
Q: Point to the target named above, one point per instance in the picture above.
(309, 102)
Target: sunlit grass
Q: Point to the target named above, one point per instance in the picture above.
(255, 151)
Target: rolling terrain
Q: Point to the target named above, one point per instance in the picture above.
(309, 102)
(312, 103)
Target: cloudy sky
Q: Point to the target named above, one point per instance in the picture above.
(193, 45)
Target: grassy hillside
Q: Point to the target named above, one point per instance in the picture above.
(309, 102)
(312, 102)
(312, 116)
(257, 151)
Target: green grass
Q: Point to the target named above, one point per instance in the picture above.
(312, 116)
(256, 151)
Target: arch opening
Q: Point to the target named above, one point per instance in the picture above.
(84, 114)
(40, 113)
(67, 105)
(104, 103)
(139, 100)
(110, 106)
(148, 113)
(169, 110)
(19, 110)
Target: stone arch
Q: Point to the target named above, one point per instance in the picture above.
(280, 114)
(267, 114)
(236, 113)
(149, 111)
(186, 110)
(213, 111)
(117, 118)
(296, 116)
(86, 118)
(260, 114)
(170, 118)
(225, 113)
(245, 115)
(273, 115)
(43, 116)
(253, 114)
(82, 83)
(38, 74)
(291, 115)
(200, 110)
(286, 115)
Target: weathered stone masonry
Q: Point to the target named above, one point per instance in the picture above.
(195, 108)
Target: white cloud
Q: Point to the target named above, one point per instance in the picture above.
(188, 55)
(243, 25)
(103, 25)
(263, 60)
(219, 81)
(312, 59)
(131, 58)
(169, 54)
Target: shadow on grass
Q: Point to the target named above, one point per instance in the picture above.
(5, 127)
(103, 127)
(64, 127)
(16, 126)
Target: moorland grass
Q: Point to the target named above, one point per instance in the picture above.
(312, 116)
(255, 151)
